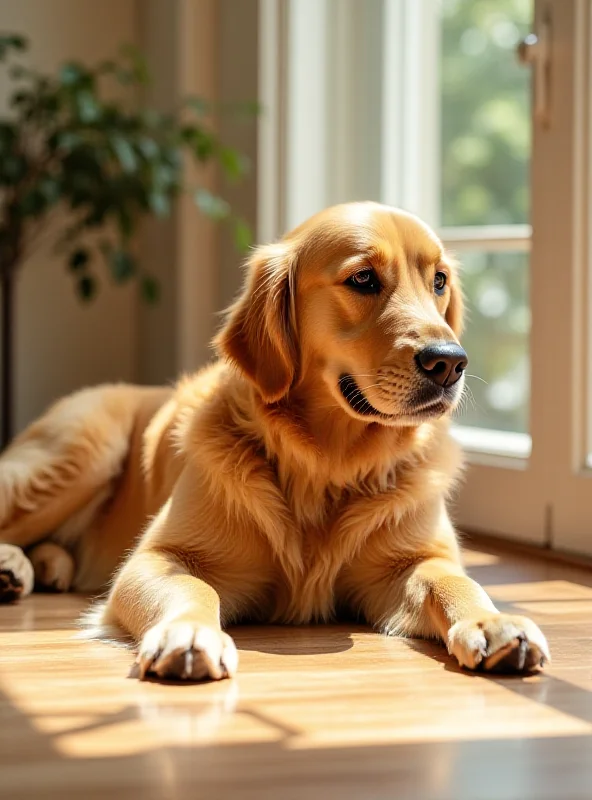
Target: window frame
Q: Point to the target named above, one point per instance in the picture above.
(537, 495)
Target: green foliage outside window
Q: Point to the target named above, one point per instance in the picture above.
(485, 153)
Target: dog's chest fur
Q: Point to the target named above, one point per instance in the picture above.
(325, 527)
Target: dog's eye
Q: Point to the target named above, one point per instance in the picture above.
(439, 282)
(365, 281)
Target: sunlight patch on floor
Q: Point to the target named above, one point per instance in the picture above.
(474, 558)
(547, 591)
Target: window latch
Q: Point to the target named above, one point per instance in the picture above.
(535, 51)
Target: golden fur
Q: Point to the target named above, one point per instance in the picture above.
(263, 493)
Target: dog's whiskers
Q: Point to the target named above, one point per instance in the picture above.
(466, 397)
(477, 377)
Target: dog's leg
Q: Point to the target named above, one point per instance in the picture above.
(158, 599)
(476, 633)
(173, 615)
(61, 461)
(54, 567)
(423, 591)
(436, 598)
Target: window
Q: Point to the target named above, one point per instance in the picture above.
(485, 144)
(423, 104)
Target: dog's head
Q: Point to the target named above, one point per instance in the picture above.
(361, 304)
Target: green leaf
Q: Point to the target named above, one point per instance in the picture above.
(198, 104)
(123, 266)
(234, 164)
(8, 137)
(68, 140)
(88, 108)
(86, 288)
(19, 99)
(10, 42)
(15, 40)
(125, 153)
(33, 203)
(13, 168)
(200, 141)
(165, 176)
(242, 108)
(78, 260)
(160, 203)
(148, 147)
(51, 189)
(211, 205)
(172, 155)
(243, 237)
(150, 289)
(251, 108)
(140, 70)
(72, 74)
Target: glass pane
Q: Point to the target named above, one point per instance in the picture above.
(485, 113)
(497, 341)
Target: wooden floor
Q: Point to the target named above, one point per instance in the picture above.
(315, 713)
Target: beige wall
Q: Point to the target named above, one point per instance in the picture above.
(61, 344)
(156, 324)
(186, 248)
(238, 80)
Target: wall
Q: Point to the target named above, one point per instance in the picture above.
(238, 81)
(158, 248)
(61, 344)
(206, 47)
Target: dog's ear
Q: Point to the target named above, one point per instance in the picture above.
(259, 334)
(456, 306)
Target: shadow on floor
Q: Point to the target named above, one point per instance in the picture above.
(293, 640)
(545, 689)
(37, 766)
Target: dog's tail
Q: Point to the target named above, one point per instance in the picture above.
(59, 464)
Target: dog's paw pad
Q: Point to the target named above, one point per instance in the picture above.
(499, 643)
(16, 574)
(186, 651)
(10, 587)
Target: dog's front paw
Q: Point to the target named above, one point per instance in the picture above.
(187, 651)
(16, 574)
(499, 642)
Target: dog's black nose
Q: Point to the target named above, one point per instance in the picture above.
(442, 363)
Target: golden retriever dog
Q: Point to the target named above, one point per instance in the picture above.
(303, 477)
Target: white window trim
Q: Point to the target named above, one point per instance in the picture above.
(271, 120)
(492, 238)
(411, 124)
(504, 444)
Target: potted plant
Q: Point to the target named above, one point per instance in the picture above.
(111, 163)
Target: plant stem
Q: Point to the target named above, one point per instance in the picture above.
(7, 287)
(7, 279)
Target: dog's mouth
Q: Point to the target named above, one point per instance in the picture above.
(357, 400)
(433, 402)
(426, 404)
